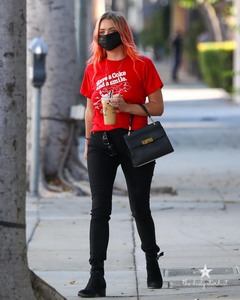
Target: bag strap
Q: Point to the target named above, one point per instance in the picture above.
(147, 112)
(132, 116)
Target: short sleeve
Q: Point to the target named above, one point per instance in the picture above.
(86, 86)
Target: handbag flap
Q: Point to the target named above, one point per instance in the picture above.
(145, 135)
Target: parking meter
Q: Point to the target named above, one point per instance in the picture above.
(38, 76)
(39, 49)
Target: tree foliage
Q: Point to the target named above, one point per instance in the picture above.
(193, 3)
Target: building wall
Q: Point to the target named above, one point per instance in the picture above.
(178, 18)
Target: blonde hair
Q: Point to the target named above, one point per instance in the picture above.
(97, 53)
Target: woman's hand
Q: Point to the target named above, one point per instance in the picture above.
(118, 102)
(155, 104)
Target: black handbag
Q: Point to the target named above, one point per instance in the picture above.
(148, 143)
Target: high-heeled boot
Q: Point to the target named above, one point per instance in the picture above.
(96, 286)
(154, 276)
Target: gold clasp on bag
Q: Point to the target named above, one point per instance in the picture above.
(147, 141)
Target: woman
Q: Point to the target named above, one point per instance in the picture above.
(116, 67)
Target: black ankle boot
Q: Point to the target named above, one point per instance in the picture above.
(154, 276)
(96, 286)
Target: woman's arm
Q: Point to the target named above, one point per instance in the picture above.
(88, 124)
(155, 105)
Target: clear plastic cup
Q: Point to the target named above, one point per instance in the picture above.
(109, 112)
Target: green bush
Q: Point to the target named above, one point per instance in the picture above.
(216, 64)
(190, 45)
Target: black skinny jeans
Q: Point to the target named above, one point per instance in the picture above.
(102, 168)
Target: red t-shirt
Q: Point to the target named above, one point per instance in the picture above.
(133, 80)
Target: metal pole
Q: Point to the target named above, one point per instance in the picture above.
(237, 54)
(34, 172)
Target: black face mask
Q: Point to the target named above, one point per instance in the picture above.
(110, 41)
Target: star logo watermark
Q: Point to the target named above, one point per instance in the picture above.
(205, 272)
(205, 279)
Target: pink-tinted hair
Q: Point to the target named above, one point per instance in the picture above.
(120, 23)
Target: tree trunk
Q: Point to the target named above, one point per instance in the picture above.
(53, 20)
(15, 278)
(211, 20)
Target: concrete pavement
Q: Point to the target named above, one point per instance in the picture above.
(195, 204)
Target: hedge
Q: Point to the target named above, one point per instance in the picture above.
(216, 63)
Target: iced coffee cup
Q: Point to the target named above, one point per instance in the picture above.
(109, 112)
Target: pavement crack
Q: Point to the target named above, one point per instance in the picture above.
(134, 257)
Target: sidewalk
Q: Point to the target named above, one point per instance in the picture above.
(195, 205)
